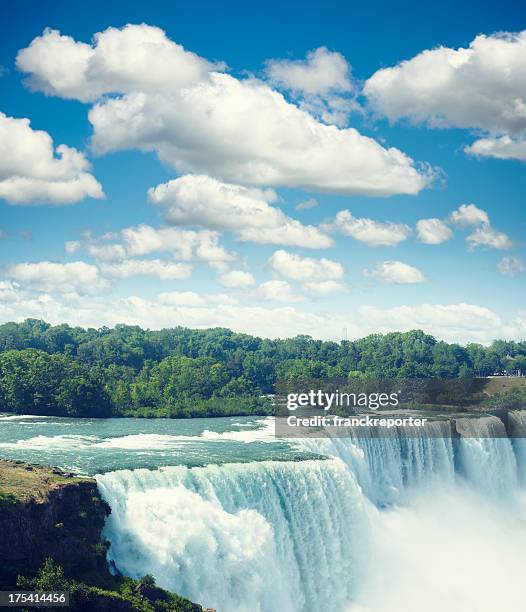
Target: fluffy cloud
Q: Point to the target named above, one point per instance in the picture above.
(373, 233)
(190, 298)
(134, 58)
(395, 272)
(74, 277)
(140, 240)
(502, 147)
(304, 269)
(201, 200)
(278, 291)
(451, 322)
(481, 87)
(244, 132)
(511, 266)
(32, 171)
(321, 72)
(164, 270)
(317, 82)
(433, 231)
(237, 279)
(327, 287)
(241, 131)
(485, 235)
(469, 214)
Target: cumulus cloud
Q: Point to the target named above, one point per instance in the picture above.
(278, 291)
(164, 270)
(237, 279)
(140, 240)
(193, 299)
(304, 269)
(239, 130)
(326, 287)
(133, 58)
(321, 72)
(469, 214)
(318, 82)
(246, 133)
(451, 322)
(373, 233)
(511, 266)
(482, 87)
(433, 231)
(395, 272)
(207, 202)
(500, 147)
(485, 235)
(75, 277)
(33, 172)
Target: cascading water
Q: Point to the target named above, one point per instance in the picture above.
(262, 536)
(398, 524)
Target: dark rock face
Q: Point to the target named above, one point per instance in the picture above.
(59, 516)
(48, 513)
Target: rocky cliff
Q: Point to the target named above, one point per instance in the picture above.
(46, 513)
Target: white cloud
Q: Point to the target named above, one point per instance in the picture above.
(133, 58)
(72, 246)
(278, 291)
(33, 172)
(307, 204)
(304, 269)
(292, 233)
(317, 82)
(373, 233)
(482, 87)
(164, 270)
(207, 202)
(469, 214)
(321, 72)
(186, 245)
(451, 322)
(511, 266)
(75, 277)
(246, 133)
(327, 287)
(237, 279)
(239, 130)
(501, 147)
(433, 231)
(485, 235)
(190, 298)
(395, 272)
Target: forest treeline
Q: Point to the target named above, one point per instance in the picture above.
(180, 372)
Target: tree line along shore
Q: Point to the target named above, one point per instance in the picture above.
(180, 372)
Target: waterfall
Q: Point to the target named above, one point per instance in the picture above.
(307, 536)
(258, 537)
(485, 455)
(517, 429)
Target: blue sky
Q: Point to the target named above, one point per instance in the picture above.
(393, 144)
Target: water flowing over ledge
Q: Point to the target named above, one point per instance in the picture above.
(303, 536)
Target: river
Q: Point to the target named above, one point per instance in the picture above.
(224, 513)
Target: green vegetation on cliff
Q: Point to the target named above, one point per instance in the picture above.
(179, 372)
(50, 539)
